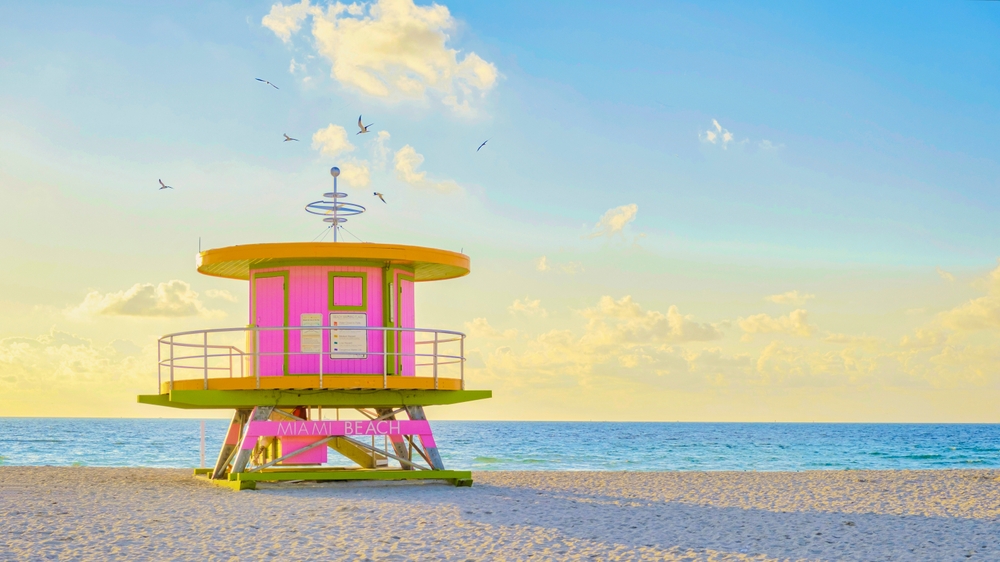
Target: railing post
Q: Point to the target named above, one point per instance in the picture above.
(256, 354)
(171, 363)
(461, 361)
(205, 363)
(385, 358)
(320, 356)
(435, 358)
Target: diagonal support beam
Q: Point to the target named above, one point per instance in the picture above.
(430, 447)
(260, 413)
(229, 444)
(397, 440)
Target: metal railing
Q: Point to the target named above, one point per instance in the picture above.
(186, 352)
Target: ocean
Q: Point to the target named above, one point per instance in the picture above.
(545, 445)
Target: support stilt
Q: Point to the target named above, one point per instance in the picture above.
(397, 440)
(260, 413)
(232, 440)
(430, 447)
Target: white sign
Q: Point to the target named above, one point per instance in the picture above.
(348, 344)
(311, 341)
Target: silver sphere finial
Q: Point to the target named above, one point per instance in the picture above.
(334, 171)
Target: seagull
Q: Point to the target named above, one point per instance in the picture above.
(288, 138)
(482, 145)
(163, 185)
(364, 128)
(379, 195)
(266, 82)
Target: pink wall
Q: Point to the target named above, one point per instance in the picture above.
(309, 292)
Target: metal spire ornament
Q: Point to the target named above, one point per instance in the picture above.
(334, 211)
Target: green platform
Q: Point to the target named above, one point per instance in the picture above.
(327, 398)
(248, 480)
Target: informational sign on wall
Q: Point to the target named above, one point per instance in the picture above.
(311, 341)
(348, 344)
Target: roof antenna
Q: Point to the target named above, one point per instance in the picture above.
(339, 209)
(199, 244)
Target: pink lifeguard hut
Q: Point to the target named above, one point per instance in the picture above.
(332, 327)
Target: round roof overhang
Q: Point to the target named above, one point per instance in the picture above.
(235, 262)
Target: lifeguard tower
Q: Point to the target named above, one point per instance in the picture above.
(332, 330)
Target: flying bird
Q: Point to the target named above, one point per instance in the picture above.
(364, 128)
(163, 185)
(379, 195)
(288, 138)
(266, 82)
(482, 145)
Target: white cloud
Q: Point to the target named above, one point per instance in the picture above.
(570, 268)
(978, 314)
(615, 220)
(294, 67)
(173, 299)
(527, 307)
(407, 160)
(381, 150)
(791, 297)
(287, 20)
(35, 363)
(795, 323)
(332, 141)
(390, 49)
(944, 274)
(624, 320)
(221, 294)
(355, 173)
(717, 135)
(481, 328)
(923, 339)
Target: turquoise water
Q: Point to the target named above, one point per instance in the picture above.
(546, 445)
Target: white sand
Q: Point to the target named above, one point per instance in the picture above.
(148, 514)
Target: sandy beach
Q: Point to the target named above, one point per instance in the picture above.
(157, 514)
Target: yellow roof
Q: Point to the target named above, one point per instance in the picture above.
(235, 262)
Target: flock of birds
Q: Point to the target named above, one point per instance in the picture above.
(362, 129)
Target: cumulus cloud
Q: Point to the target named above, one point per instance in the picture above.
(615, 220)
(791, 297)
(481, 328)
(922, 339)
(173, 299)
(287, 20)
(527, 307)
(623, 320)
(717, 135)
(978, 314)
(390, 49)
(795, 323)
(35, 362)
(570, 268)
(407, 160)
(944, 274)
(381, 150)
(332, 141)
(221, 294)
(355, 173)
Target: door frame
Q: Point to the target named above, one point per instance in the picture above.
(285, 292)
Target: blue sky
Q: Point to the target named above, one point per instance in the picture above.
(861, 169)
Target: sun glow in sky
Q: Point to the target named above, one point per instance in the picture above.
(720, 211)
